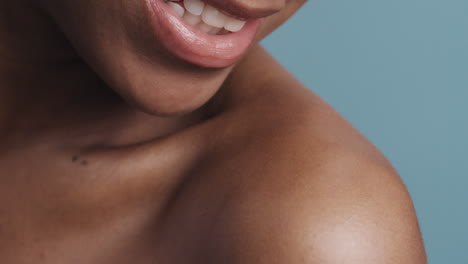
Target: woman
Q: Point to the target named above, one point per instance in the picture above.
(151, 131)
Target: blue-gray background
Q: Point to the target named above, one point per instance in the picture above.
(398, 70)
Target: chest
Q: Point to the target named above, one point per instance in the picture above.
(78, 211)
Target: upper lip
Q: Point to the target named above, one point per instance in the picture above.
(247, 9)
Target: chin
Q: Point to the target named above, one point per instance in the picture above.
(175, 100)
(166, 91)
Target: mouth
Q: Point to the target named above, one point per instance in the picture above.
(201, 34)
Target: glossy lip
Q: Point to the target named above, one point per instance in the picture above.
(195, 46)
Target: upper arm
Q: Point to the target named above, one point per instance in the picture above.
(367, 217)
(311, 188)
(346, 210)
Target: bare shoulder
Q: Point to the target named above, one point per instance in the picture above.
(313, 190)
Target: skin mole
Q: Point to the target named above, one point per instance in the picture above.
(76, 158)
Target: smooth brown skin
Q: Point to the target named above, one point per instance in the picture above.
(262, 172)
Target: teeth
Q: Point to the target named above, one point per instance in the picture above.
(194, 6)
(213, 17)
(192, 19)
(205, 17)
(205, 28)
(234, 25)
(214, 31)
(178, 8)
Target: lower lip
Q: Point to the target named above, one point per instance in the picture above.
(195, 46)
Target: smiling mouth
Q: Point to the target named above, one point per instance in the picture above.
(206, 17)
(200, 34)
